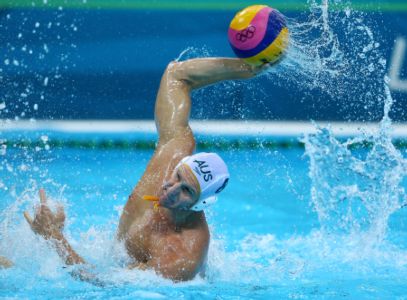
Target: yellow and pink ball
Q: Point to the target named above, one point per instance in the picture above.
(259, 34)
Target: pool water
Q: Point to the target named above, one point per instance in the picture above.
(268, 237)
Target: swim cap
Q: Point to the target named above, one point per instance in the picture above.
(212, 175)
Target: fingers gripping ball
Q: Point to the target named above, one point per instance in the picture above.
(259, 34)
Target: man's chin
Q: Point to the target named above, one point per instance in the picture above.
(168, 205)
(165, 203)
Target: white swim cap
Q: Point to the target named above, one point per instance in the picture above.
(212, 175)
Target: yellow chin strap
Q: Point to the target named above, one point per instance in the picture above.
(153, 198)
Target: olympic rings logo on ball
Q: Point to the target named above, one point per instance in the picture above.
(246, 34)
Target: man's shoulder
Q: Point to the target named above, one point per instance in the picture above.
(198, 229)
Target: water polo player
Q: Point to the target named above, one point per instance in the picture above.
(170, 234)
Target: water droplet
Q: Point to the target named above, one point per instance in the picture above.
(44, 138)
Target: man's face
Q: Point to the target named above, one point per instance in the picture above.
(181, 191)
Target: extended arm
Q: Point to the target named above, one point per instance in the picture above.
(50, 226)
(173, 103)
(201, 72)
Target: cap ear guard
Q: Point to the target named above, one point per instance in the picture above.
(207, 201)
(204, 203)
(215, 187)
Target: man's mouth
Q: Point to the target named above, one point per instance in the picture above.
(162, 198)
(165, 200)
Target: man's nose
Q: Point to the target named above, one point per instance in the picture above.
(174, 189)
(168, 184)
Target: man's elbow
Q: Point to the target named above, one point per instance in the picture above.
(180, 72)
(174, 71)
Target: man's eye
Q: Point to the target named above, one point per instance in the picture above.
(186, 189)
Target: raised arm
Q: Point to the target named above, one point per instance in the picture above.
(50, 225)
(173, 103)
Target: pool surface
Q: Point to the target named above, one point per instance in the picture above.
(268, 239)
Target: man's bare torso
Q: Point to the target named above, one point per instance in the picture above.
(142, 227)
(151, 237)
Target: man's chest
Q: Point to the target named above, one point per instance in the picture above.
(146, 236)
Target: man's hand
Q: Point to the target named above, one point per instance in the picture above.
(260, 68)
(46, 223)
(50, 225)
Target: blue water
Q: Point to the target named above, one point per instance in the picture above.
(268, 239)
